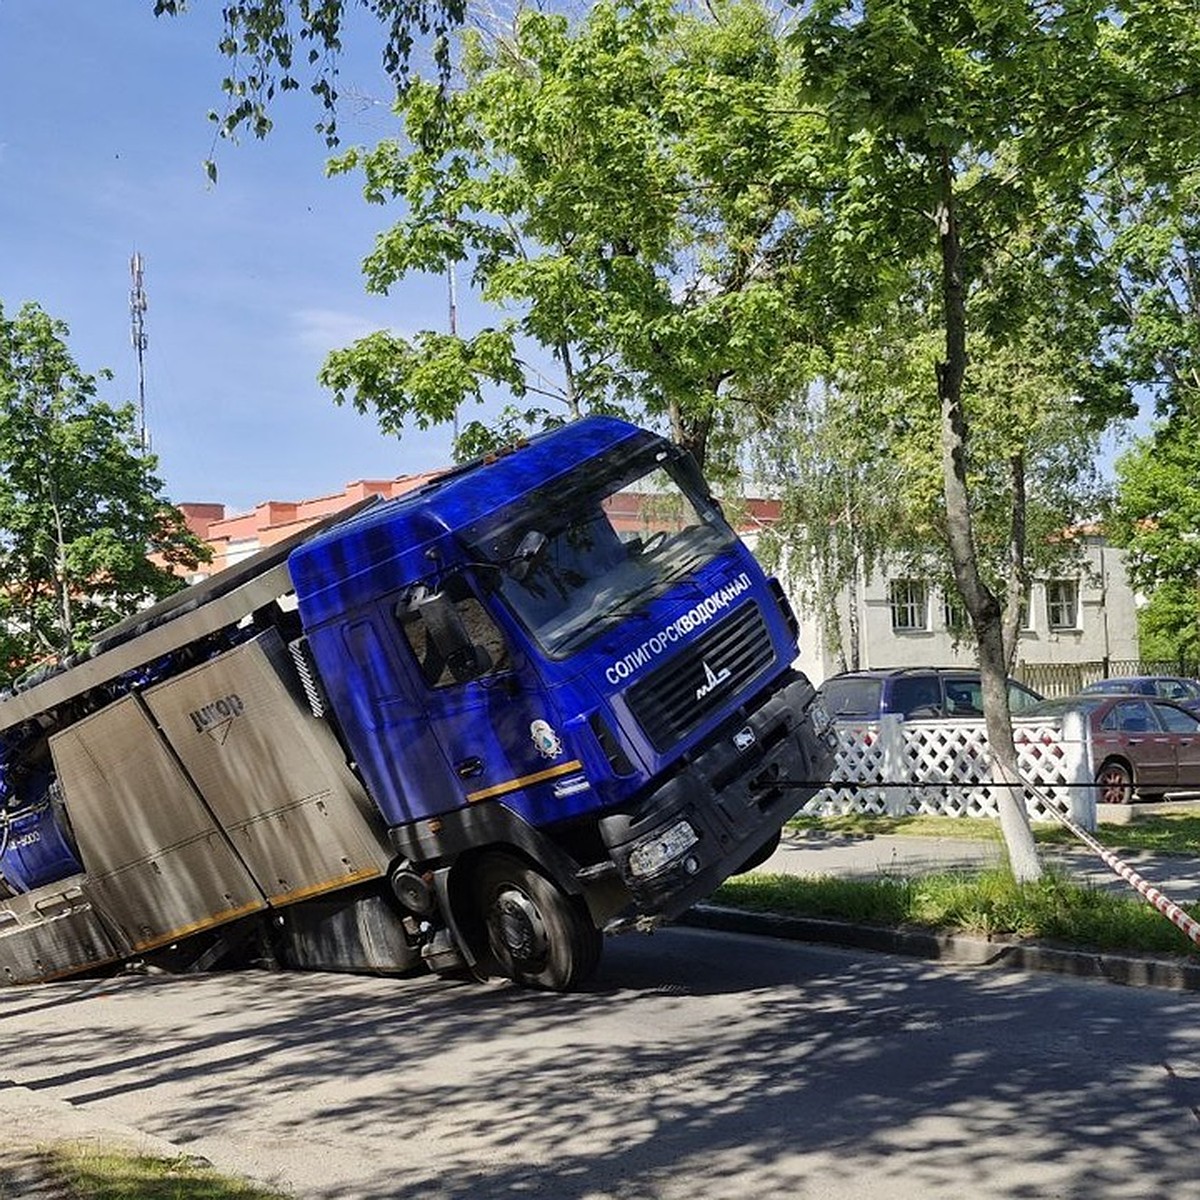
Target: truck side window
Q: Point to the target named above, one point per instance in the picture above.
(480, 628)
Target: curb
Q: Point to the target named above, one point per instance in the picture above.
(33, 1122)
(959, 949)
(53, 1120)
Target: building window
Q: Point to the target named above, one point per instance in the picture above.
(957, 621)
(910, 606)
(1062, 604)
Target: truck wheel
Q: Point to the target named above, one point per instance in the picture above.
(539, 936)
(1114, 783)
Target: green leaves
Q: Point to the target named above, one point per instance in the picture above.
(1157, 514)
(81, 509)
(636, 191)
(262, 39)
(1156, 517)
(424, 381)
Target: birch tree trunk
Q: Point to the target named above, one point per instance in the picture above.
(981, 603)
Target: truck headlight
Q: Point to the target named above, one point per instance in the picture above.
(652, 854)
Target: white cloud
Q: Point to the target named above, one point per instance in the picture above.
(323, 329)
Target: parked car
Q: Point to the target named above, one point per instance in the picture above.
(1166, 687)
(913, 692)
(1139, 744)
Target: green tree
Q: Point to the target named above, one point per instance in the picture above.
(632, 192)
(1168, 629)
(971, 133)
(81, 510)
(1156, 517)
(1148, 239)
(859, 473)
(833, 459)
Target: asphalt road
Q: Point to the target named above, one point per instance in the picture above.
(699, 1066)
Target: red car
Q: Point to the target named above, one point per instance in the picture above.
(1139, 744)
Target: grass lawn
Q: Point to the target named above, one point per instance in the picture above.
(1162, 833)
(987, 902)
(87, 1172)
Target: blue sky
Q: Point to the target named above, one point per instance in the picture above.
(103, 135)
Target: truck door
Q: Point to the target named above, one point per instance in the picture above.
(490, 716)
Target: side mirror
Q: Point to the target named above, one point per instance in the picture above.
(532, 546)
(444, 626)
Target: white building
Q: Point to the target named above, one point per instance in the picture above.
(1078, 626)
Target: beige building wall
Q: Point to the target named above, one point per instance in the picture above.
(1102, 628)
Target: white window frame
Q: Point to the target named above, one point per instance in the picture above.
(909, 599)
(1062, 604)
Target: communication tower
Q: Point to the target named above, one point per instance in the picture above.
(137, 315)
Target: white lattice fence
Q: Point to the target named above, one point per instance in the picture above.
(944, 768)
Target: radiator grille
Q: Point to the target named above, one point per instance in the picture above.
(676, 698)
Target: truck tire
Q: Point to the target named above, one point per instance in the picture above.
(539, 936)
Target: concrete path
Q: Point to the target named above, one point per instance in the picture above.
(812, 853)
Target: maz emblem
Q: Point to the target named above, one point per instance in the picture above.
(711, 680)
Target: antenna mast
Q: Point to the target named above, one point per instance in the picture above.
(137, 314)
(452, 288)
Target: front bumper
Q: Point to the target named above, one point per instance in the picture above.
(734, 795)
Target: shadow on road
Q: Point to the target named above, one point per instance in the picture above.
(679, 1074)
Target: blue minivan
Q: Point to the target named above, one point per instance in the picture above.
(912, 693)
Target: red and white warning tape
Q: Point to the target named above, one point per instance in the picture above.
(1143, 887)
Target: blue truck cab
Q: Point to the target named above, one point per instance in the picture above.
(567, 685)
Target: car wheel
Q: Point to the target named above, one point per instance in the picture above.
(537, 934)
(1114, 783)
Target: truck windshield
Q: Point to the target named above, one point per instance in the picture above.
(617, 534)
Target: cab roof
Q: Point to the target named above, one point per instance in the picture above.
(386, 546)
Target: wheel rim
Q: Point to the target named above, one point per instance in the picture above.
(530, 929)
(1115, 786)
(515, 927)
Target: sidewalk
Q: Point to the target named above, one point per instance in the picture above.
(873, 856)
